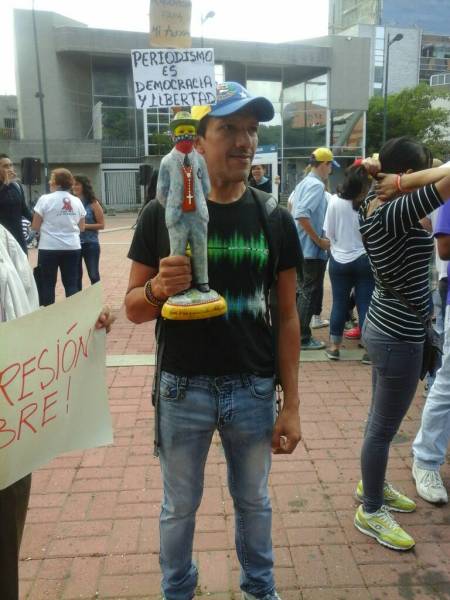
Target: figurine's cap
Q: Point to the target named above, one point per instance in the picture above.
(233, 97)
(183, 118)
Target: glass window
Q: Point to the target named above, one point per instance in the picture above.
(347, 131)
(305, 116)
(378, 75)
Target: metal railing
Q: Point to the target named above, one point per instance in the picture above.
(9, 133)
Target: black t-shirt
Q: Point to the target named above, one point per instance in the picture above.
(240, 341)
(12, 208)
(266, 186)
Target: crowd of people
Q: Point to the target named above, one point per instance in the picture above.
(66, 221)
(221, 374)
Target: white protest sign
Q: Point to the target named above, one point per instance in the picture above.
(53, 395)
(170, 22)
(173, 77)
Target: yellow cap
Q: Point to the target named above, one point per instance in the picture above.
(198, 112)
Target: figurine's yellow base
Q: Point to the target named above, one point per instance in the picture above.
(198, 306)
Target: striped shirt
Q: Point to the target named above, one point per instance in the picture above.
(399, 250)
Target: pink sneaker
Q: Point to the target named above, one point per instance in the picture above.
(353, 334)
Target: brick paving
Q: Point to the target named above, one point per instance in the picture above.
(92, 528)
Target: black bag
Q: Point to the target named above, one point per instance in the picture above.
(431, 351)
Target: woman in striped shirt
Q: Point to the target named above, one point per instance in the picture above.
(399, 250)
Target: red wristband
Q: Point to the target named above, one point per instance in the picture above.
(399, 184)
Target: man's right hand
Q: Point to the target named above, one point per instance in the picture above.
(324, 243)
(174, 276)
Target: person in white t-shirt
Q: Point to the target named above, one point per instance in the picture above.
(59, 217)
(349, 266)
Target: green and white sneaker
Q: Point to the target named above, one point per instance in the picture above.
(392, 498)
(248, 596)
(384, 528)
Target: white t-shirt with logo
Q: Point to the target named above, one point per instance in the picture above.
(61, 212)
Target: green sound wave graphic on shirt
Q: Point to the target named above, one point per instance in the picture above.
(253, 304)
(237, 248)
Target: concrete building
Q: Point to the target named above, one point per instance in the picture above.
(319, 89)
(432, 16)
(424, 50)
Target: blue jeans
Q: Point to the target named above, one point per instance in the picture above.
(431, 443)
(68, 261)
(345, 276)
(242, 409)
(396, 367)
(90, 253)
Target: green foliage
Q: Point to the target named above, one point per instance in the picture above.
(269, 135)
(410, 112)
(160, 144)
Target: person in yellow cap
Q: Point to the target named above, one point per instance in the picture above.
(219, 374)
(309, 209)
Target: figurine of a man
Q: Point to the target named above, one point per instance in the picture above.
(183, 186)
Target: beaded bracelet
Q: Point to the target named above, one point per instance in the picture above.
(150, 297)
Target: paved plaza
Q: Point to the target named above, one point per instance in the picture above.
(92, 527)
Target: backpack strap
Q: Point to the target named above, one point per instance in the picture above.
(161, 236)
(271, 223)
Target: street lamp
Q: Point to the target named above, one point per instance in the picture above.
(397, 37)
(40, 95)
(209, 15)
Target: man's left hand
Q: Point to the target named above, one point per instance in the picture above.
(286, 432)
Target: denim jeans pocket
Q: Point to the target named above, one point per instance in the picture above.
(262, 387)
(169, 389)
(394, 361)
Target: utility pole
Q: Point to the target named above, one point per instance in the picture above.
(396, 38)
(40, 95)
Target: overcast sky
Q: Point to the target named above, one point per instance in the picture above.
(253, 20)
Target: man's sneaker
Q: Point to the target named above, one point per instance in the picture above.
(333, 354)
(317, 322)
(353, 334)
(429, 485)
(366, 359)
(384, 528)
(248, 596)
(313, 344)
(392, 498)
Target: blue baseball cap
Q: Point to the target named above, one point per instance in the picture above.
(233, 97)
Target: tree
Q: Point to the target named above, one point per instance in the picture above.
(412, 112)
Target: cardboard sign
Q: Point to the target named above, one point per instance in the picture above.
(166, 77)
(53, 394)
(170, 23)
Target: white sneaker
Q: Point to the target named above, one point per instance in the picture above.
(429, 485)
(317, 322)
(248, 596)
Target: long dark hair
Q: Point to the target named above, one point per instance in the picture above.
(399, 155)
(86, 185)
(355, 186)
